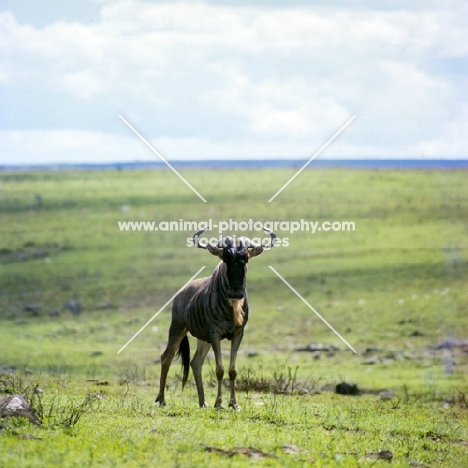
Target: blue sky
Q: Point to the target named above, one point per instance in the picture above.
(232, 80)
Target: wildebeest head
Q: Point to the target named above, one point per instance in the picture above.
(235, 254)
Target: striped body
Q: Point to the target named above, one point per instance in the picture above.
(207, 308)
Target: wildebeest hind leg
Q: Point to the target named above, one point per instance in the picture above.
(197, 363)
(176, 335)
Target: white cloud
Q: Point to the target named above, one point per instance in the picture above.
(276, 108)
(451, 141)
(275, 81)
(65, 146)
(84, 84)
(72, 146)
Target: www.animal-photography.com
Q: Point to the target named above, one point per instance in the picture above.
(233, 234)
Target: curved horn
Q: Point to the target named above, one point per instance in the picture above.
(196, 236)
(213, 249)
(273, 237)
(257, 249)
(270, 245)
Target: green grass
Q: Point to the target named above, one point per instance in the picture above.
(397, 285)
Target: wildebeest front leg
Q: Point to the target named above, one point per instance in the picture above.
(175, 337)
(197, 362)
(236, 341)
(216, 345)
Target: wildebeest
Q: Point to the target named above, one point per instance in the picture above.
(212, 309)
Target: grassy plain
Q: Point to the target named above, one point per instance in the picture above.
(395, 288)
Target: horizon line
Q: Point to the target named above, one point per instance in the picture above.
(239, 162)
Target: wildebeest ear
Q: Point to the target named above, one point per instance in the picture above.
(256, 251)
(214, 250)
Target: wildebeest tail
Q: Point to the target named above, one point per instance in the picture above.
(184, 354)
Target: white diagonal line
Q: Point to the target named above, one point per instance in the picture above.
(159, 311)
(159, 156)
(312, 309)
(311, 159)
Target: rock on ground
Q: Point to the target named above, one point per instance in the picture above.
(17, 406)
